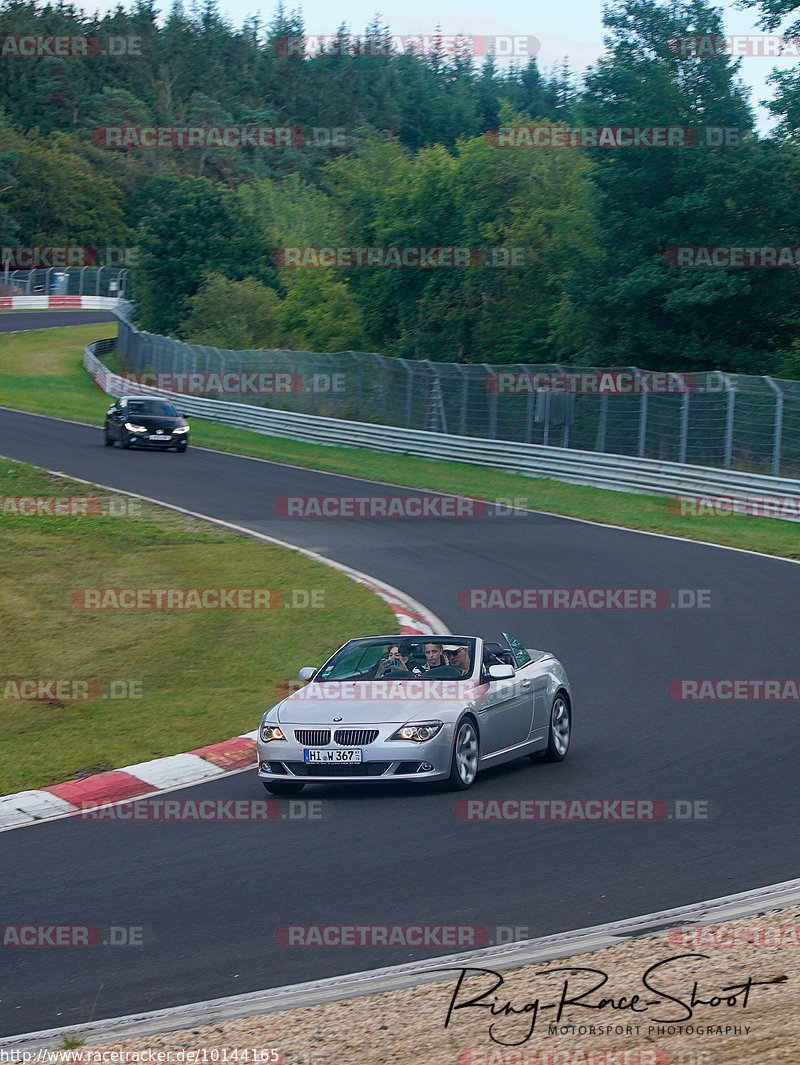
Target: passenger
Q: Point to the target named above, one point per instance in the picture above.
(434, 655)
(398, 653)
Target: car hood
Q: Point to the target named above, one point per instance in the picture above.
(319, 704)
(155, 421)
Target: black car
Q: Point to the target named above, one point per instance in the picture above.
(145, 422)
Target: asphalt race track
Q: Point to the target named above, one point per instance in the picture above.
(210, 896)
(19, 321)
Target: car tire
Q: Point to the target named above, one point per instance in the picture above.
(181, 447)
(466, 750)
(559, 731)
(124, 442)
(283, 787)
(107, 439)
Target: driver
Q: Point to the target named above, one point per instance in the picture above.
(458, 655)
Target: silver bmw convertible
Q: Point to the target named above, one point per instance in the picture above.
(416, 708)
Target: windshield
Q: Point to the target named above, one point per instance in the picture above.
(158, 408)
(437, 656)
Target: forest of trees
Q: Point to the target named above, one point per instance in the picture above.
(403, 151)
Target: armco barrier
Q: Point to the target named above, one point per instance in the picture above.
(622, 474)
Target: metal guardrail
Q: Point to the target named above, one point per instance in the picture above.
(727, 420)
(620, 473)
(107, 281)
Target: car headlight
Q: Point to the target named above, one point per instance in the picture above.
(420, 731)
(271, 732)
(181, 429)
(135, 428)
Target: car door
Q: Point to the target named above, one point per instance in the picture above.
(504, 714)
(114, 421)
(534, 681)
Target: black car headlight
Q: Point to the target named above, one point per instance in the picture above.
(135, 428)
(419, 731)
(269, 733)
(181, 429)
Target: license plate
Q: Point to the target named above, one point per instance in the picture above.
(337, 757)
(160, 438)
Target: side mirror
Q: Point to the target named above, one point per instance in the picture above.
(306, 673)
(501, 672)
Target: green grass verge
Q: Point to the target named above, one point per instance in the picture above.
(42, 372)
(200, 676)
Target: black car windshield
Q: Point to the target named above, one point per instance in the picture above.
(401, 659)
(157, 408)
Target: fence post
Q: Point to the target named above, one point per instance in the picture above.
(684, 428)
(777, 432)
(529, 418)
(729, 421)
(462, 430)
(601, 429)
(435, 412)
(360, 386)
(492, 403)
(529, 407)
(642, 416)
(409, 391)
(382, 362)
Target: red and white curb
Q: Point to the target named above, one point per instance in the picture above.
(178, 770)
(60, 303)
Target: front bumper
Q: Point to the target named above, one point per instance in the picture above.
(381, 760)
(168, 441)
